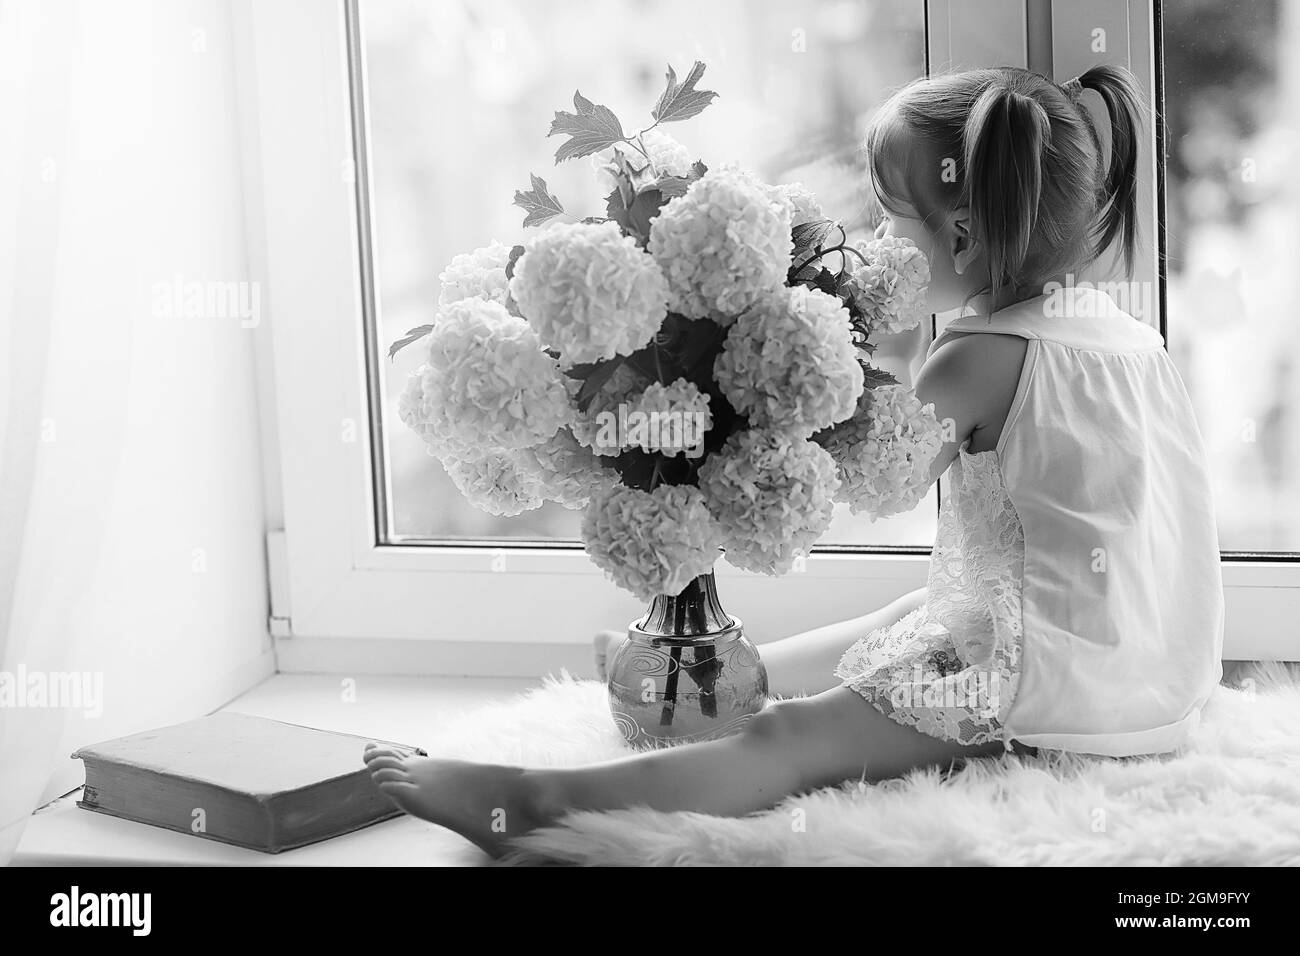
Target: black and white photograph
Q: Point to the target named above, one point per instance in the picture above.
(650, 433)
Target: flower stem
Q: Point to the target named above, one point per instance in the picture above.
(646, 153)
(670, 687)
(638, 146)
(843, 248)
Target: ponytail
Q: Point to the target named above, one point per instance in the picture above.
(1043, 198)
(1006, 134)
(1118, 196)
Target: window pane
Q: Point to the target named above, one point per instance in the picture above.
(460, 97)
(1232, 96)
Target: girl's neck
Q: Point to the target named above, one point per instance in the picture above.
(985, 304)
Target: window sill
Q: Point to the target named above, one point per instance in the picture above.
(391, 708)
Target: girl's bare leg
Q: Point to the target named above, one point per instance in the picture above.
(804, 663)
(792, 746)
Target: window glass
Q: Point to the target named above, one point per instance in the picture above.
(460, 97)
(1232, 98)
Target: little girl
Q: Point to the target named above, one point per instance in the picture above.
(1074, 599)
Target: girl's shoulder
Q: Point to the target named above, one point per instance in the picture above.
(977, 376)
(983, 361)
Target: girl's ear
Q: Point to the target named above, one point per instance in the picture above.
(962, 245)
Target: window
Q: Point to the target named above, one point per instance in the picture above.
(457, 86)
(1232, 98)
(379, 568)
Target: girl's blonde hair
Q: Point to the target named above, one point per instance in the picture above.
(1023, 155)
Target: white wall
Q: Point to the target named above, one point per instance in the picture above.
(143, 542)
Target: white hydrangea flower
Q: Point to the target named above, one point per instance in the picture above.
(480, 274)
(885, 452)
(789, 363)
(890, 287)
(723, 245)
(671, 419)
(417, 413)
(500, 483)
(569, 472)
(488, 385)
(772, 496)
(602, 165)
(650, 542)
(597, 427)
(669, 157)
(589, 291)
(803, 205)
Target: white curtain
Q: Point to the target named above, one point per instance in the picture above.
(31, 58)
(131, 517)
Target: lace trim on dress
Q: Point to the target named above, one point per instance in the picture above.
(951, 667)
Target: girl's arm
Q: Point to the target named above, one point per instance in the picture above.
(971, 379)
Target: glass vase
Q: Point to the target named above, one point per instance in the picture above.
(686, 672)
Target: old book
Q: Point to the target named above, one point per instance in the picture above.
(253, 782)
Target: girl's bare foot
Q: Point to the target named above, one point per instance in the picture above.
(487, 804)
(605, 644)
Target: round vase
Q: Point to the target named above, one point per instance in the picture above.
(686, 673)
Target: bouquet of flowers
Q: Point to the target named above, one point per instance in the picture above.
(692, 368)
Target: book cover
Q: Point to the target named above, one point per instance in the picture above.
(253, 782)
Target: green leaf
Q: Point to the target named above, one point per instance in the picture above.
(414, 335)
(634, 219)
(538, 203)
(826, 281)
(594, 375)
(876, 377)
(695, 344)
(643, 361)
(673, 186)
(680, 101)
(636, 177)
(592, 128)
(511, 305)
(804, 275)
(515, 253)
(636, 467)
(808, 238)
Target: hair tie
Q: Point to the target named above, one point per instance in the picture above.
(1073, 88)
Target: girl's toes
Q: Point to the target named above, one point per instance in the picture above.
(379, 763)
(375, 751)
(390, 775)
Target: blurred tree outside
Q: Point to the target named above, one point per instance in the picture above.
(1232, 100)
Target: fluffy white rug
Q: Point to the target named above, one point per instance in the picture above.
(1231, 798)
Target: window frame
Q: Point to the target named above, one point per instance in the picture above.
(343, 600)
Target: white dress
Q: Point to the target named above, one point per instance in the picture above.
(950, 668)
(1075, 592)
